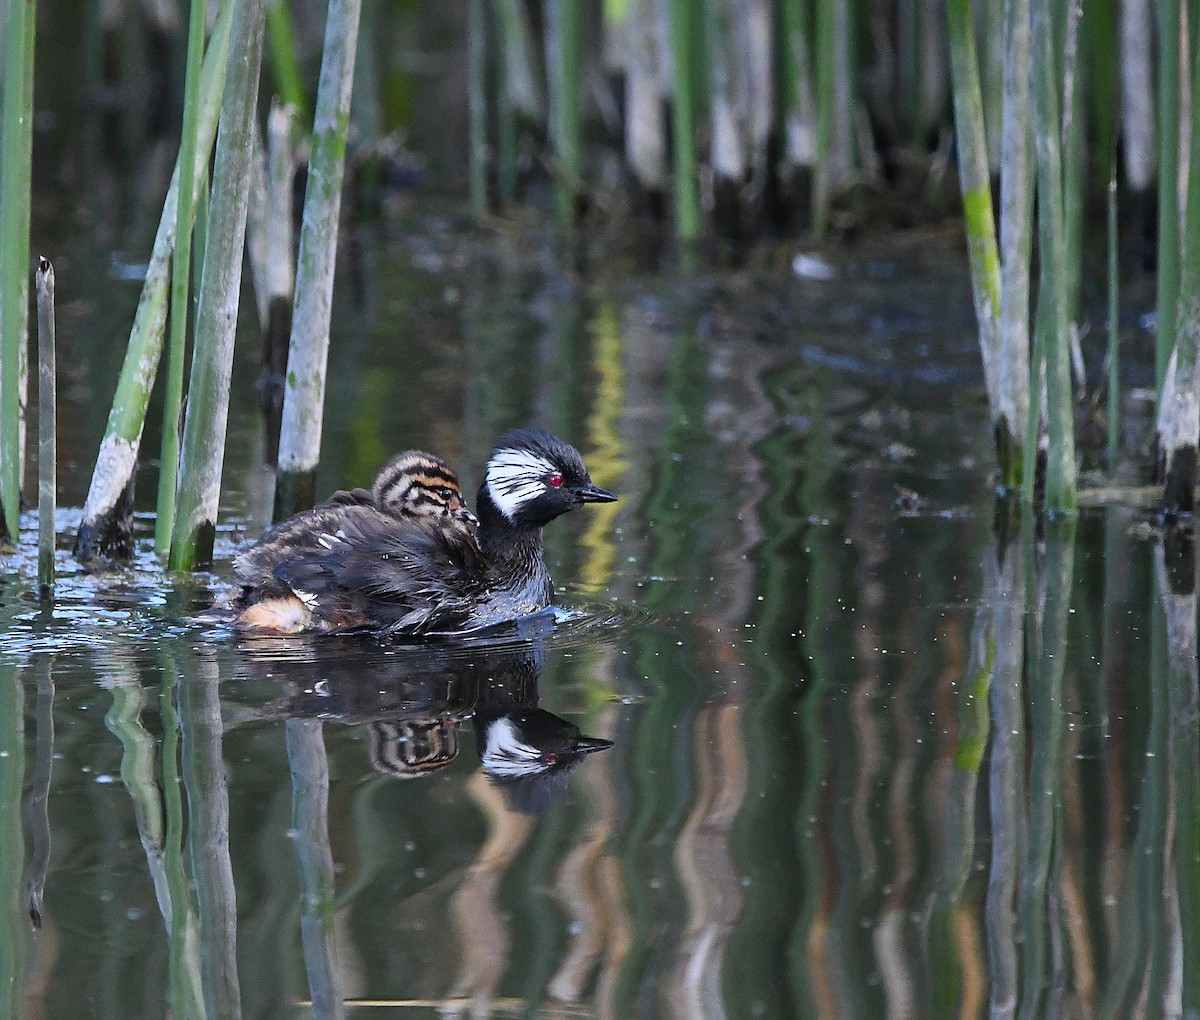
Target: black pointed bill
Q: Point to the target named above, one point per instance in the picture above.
(594, 494)
(586, 745)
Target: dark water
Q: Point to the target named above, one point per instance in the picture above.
(869, 760)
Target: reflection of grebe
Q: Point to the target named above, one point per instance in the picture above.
(413, 486)
(414, 701)
(530, 753)
(375, 572)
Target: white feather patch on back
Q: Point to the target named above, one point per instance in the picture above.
(507, 755)
(514, 477)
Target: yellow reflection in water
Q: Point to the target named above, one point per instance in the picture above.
(604, 454)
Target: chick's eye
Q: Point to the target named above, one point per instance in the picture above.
(554, 479)
(446, 493)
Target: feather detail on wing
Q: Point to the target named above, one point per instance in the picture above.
(399, 576)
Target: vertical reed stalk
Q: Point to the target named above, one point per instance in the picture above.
(981, 227)
(1060, 463)
(683, 124)
(477, 106)
(304, 398)
(519, 95)
(16, 147)
(797, 105)
(107, 514)
(644, 37)
(47, 417)
(168, 471)
(1074, 142)
(1137, 94)
(1114, 323)
(1010, 420)
(565, 70)
(279, 242)
(835, 105)
(281, 51)
(220, 289)
(1182, 414)
(1168, 185)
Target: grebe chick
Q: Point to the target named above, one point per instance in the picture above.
(412, 486)
(414, 578)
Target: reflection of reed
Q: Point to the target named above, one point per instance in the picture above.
(37, 808)
(310, 829)
(14, 919)
(1176, 573)
(705, 865)
(1004, 587)
(159, 824)
(1047, 662)
(208, 837)
(482, 930)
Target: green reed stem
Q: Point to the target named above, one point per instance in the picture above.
(683, 123)
(16, 148)
(47, 416)
(203, 445)
(982, 249)
(797, 112)
(308, 350)
(168, 471)
(565, 70)
(1060, 462)
(281, 52)
(1168, 185)
(100, 531)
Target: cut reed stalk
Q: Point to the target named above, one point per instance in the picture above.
(204, 426)
(47, 417)
(16, 147)
(683, 124)
(1060, 462)
(106, 528)
(565, 70)
(168, 471)
(304, 396)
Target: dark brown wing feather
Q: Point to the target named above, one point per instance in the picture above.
(399, 576)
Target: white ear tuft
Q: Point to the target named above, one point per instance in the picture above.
(506, 754)
(514, 477)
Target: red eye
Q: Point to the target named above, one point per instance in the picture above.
(554, 479)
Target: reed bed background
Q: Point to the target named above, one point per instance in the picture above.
(721, 121)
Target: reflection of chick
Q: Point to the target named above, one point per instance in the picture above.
(413, 486)
(412, 748)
